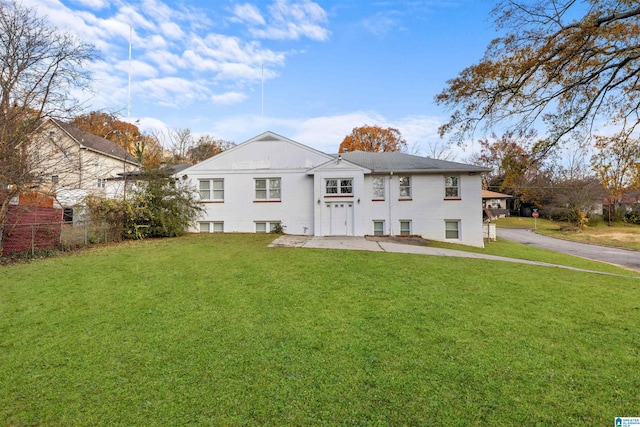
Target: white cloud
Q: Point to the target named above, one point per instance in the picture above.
(178, 56)
(167, 62)
(139, 69)
(380, 24)
(93, 4)
(171, 91)
(292, 20)
(152, 125)
(248, 13)
(228, 98)
(171, 30)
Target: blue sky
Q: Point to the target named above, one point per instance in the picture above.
(327, 66)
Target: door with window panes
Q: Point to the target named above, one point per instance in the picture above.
(340, 218)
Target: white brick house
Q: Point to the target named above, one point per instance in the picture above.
(271, 180)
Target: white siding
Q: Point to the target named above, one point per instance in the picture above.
(306, 209)
(240, 210)
(427, 209)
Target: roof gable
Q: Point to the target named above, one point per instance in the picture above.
(265, 151)
(338, 163)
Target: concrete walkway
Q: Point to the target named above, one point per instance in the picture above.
(362, 244)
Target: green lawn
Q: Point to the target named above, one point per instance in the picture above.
(222, 330)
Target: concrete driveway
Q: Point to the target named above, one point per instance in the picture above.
(363, 244)
(622, 257)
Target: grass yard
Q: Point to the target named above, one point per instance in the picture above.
(222, 330)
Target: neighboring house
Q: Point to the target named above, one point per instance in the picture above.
(75, 163)
(494, 204)
(271, 180)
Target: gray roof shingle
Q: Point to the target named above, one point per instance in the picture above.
(96, 143)
(401, 162)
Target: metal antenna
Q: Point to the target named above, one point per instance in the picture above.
(129, 93)
(262, 78)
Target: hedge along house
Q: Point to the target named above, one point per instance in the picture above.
(270, 180)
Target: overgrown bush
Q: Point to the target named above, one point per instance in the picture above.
(278, 228)
(159, 206)
(632, 217)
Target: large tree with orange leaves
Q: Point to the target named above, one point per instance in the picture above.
(567, 63)
(373, 138)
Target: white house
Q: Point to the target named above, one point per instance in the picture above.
(270, 180)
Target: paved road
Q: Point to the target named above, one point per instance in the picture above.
(623, 257)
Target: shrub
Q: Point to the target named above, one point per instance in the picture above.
(632, 217)
(278, 228)
(160, 206)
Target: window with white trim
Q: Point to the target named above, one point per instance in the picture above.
(378, 187)
(378, 228)
(212, 227)
(452, 229)
(405, 228)
(339, 187)
(101, 183)
(405, 186)
(451, 187)
(55, 179)
(267, 189)
(263, 226)
(211, 189)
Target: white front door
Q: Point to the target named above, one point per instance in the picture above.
(341, 218)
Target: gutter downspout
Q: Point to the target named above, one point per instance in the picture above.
(390, 226)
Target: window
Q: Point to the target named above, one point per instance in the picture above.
(378, 228)
(452, 229)
(263, 226)
(101, 183)
(405, 228)
(337, 187)
(96, 161)
(267, 189)
(378, 187)
(212, 227)
(405, 186)
(55, 179)
(67, 215)
(346, 186)
(451, 187)
(212, 189)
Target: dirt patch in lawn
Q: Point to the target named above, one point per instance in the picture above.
(624, 237)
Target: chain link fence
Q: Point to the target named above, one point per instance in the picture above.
(31, 238)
